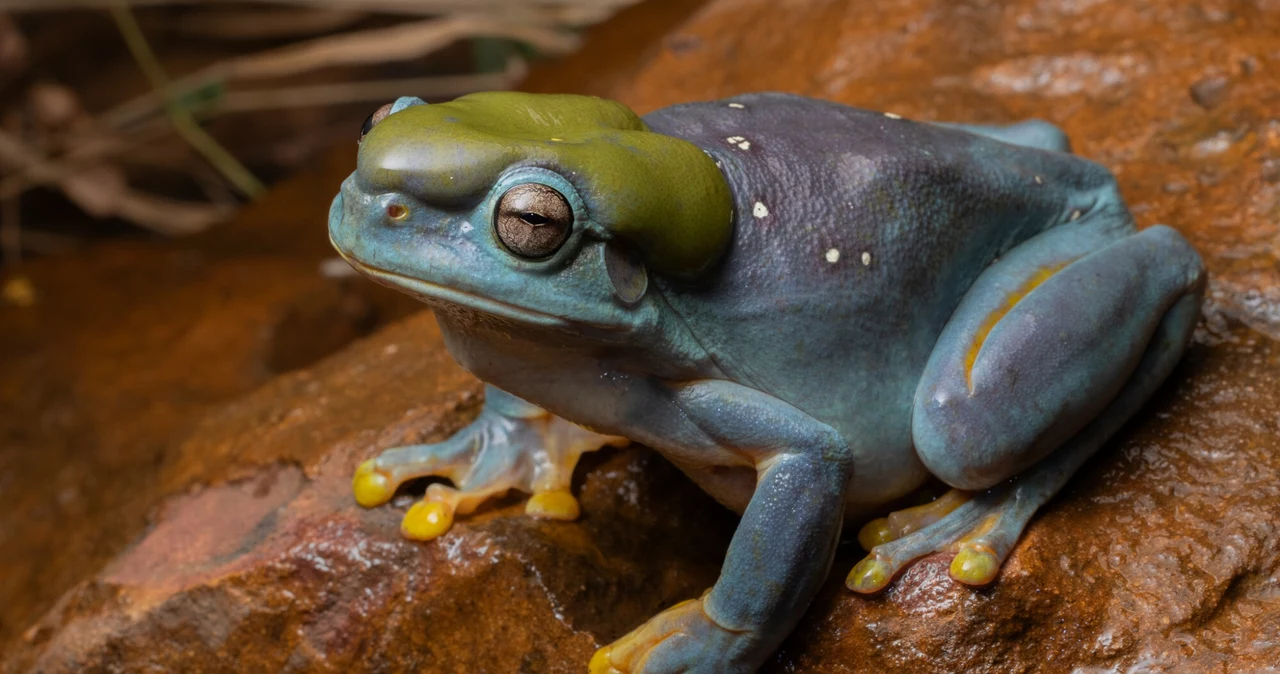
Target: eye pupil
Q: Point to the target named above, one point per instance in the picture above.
(533, 220)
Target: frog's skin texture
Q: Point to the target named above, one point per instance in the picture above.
(808, 308)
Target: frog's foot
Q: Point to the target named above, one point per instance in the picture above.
(902, 522)
(981, 531)
(510, 445)
(682, 638)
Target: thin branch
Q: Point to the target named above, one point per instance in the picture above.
(402, 42)
(267, 23)
(161, 215)
(410, 7)
(183, 122)
(354, 92)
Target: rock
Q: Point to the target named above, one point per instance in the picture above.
(1163, 554)
(111, 358)
(121, 349)
(279, 569)
(1211, 91)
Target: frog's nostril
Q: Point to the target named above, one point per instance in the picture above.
(397, 211)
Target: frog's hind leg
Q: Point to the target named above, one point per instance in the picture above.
(1052, 350)
(1030, 133)
(511, 445)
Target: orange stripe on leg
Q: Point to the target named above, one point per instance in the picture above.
(1041, 275)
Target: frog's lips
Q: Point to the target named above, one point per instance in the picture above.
(460, 297)
(463, 298)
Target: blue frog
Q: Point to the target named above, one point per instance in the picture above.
(808, 308)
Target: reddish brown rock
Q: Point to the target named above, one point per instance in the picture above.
(1162, 555)
(123, 349)
(129, 345)
(281, 570)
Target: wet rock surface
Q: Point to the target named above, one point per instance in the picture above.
(123, 349)
(1163, 554)
(277, 568)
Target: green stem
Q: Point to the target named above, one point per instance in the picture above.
(180, 117)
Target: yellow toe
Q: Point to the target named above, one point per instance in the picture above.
(975, 565)
(426, 520)
(553, 505)
(600, 663)
(874, 533)
(869, 575)
(371, 488)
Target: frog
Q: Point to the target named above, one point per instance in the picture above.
(811, 309)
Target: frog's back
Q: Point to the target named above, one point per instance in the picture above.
(856, 235)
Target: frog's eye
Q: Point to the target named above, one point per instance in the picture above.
(372, 121)
(533, 220)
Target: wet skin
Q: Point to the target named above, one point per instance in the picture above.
(808, 308)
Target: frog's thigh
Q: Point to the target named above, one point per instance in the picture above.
(1043, 341)
(1030, 133)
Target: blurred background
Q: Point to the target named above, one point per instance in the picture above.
(162, 117)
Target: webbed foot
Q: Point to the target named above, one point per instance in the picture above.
(902, 522)
(980, 530)
(510, 445)
(682, 638)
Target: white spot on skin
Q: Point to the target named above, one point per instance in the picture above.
(760, 210)
(833, 256)
(737, 105)
(1039, 180)
(890, 115)
(866, 259)
(1075, 215)
(742, 143)
(466, 227)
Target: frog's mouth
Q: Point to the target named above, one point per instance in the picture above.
(431, 291)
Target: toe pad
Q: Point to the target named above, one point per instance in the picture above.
(553, 505)
(427, 520)
(371, 487)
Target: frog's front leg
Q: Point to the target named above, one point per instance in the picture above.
(781, 551)
(1054, 347)
(511, 445)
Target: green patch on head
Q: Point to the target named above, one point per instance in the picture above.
(662, 195)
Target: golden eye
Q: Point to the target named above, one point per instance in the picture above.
(533, 220)
(372, 121)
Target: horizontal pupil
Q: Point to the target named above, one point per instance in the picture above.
(533, 218)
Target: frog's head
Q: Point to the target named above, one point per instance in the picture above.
(549, 210)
